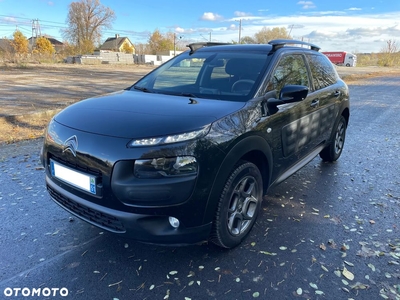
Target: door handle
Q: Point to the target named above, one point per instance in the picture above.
(314, 103)
(337, 94)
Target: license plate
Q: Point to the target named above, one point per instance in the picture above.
(72, 177)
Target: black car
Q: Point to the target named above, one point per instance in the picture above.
(187, 153)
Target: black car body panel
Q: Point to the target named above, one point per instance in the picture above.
(161, 153)
(137, 114)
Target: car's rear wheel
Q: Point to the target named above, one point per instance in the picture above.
(335, 147)
(238, 205)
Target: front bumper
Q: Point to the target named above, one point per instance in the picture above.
(144, 227)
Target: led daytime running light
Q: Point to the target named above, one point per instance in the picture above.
(170, 138)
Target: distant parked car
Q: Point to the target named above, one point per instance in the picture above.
(187, 153)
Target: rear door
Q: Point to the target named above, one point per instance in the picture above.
(327, 90)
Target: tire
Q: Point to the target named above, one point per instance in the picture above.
(333, 151)
(238, 206)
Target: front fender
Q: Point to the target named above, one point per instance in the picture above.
(252, 148)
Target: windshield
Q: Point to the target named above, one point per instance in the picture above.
(232, 76)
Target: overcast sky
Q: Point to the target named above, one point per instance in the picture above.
(339, 25)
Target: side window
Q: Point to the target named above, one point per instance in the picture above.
(291, 70)
(322, 71)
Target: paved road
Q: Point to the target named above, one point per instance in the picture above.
(318, 230)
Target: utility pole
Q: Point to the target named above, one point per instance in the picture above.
(35, 32)
(240, 30)
(174, 44)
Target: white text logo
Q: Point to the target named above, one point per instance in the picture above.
(27, 292)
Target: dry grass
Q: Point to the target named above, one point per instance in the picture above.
(19, 128)
(356, 78)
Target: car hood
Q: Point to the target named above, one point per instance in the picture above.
(134, 114)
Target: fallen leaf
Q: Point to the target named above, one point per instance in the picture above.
(360, 286)
(371, 221)
(191, 274)
(349, 263)
(322, 246)
(299, 291)
(313, 285)
(268, 253)
(346, 273)
(372, 267)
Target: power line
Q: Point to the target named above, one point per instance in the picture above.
(30, 19)
(13, 21)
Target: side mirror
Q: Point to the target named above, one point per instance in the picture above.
(288, 94)
(293, 93)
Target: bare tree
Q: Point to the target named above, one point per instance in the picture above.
(86, 21)
(141, 48)
(389, 55)
(391, 47)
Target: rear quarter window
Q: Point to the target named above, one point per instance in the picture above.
(322, 70)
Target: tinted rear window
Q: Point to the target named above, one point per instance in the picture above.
(322, 70)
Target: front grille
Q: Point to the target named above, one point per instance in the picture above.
(95, 217)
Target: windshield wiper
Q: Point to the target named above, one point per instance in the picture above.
(143, 89)
(188, 95)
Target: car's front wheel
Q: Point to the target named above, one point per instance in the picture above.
(238, 205)
(335, 147)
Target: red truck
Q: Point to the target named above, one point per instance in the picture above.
(342, 58)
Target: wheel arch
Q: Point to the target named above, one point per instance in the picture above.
(346, 115)
(254, 149)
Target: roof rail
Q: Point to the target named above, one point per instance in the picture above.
(277, 44)
(195, 46)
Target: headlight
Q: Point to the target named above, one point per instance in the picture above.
(169, 139)
(165, 167)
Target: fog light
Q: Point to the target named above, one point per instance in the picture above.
(174, 222)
